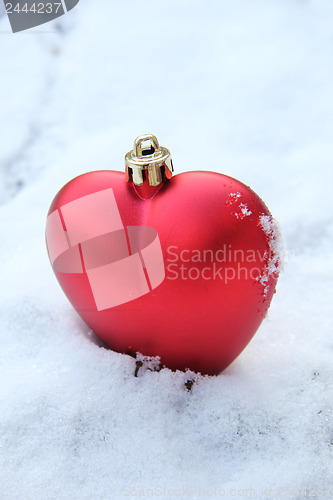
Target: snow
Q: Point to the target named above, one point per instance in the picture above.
(243, 88)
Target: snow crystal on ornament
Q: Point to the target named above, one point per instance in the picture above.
(274, 256)
(243, 208)
(232, 198)
(244, 211)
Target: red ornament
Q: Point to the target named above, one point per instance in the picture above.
(180, 267)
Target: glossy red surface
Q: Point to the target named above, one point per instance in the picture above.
(218, 260)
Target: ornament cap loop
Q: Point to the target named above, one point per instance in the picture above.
(148, 160)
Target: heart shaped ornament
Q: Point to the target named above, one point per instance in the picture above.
(181, 267)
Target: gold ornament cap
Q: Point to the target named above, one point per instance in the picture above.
(148, 160)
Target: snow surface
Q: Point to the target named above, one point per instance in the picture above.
(241, 87)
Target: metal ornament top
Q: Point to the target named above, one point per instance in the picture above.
(148, 157)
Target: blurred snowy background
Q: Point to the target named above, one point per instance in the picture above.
(243, 88)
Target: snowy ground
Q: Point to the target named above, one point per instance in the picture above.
(241, 87)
